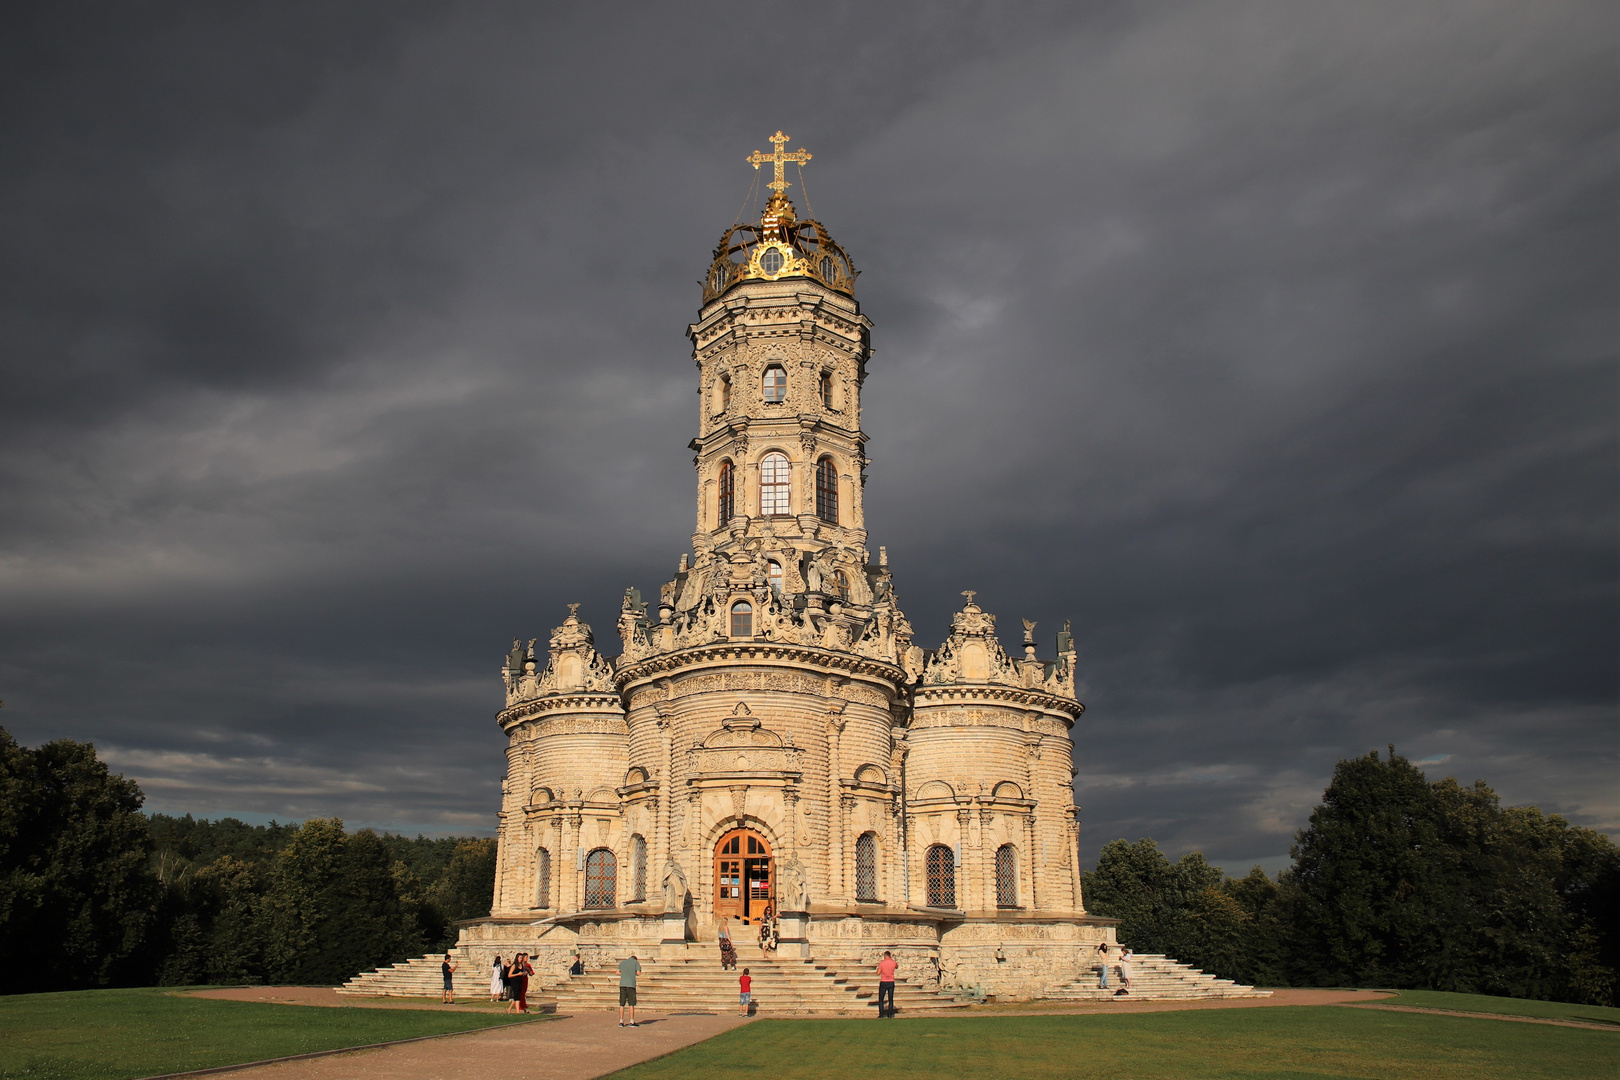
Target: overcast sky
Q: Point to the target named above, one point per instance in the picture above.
(1272, 343)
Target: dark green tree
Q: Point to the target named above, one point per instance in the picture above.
(76, 898)
(467, 888)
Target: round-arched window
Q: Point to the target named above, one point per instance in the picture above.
(827, 491)
(773, 570)
(774, 384)
(742, 619)
(720, 277)
(726, 507)
(774, 474)
(829, 269)
(771, 260)
(601, 879)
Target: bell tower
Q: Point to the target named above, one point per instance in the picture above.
(781, 349)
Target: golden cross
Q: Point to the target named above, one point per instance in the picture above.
(756, 159)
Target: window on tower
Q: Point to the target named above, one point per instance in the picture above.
(774, 570)
(727, 503)
(827, 491)
(774, 473)
(742, 619)
(725, 392)
(826, 389)
(775, 384)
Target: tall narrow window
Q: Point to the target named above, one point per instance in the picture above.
(826, 389)
(542, 878)
(725, 392)
(866, 867)
(774, 572)
(601, 879)
(727, 508)
(775, 384)
(638, 868)
(742, 619)
(827, 491)
(941, 868)
(774, 473)
(1006, 876)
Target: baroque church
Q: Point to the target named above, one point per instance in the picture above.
(770, 734)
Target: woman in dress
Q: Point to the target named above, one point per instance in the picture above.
(520, 982)
(728, 952)
(497, 980)
(1124, 972)
(767, 933)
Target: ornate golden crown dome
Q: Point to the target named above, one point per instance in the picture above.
(781, 245)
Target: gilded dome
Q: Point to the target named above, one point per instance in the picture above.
(781, 245)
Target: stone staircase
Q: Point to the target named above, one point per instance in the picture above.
(690, 981)
(696, 983)
(1156, 978)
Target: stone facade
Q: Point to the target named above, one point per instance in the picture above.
(892, 797)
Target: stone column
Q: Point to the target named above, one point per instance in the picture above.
(846, 869)
(987, 857)
(1036, 868)
(968, 883)
(909, 886)
(835, 816)
(574, 898)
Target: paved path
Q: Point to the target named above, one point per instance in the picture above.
(329, 997)
(576, 1047)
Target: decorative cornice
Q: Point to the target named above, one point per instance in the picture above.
(588, 702)
(963, 693)
(727, 653)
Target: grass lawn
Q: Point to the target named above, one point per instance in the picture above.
(1547, 1010)
(1300, 1041)
(120, 1034)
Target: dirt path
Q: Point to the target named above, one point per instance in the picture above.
(576, 1047)
(329, 997)
(1125, 1005)
(1589, 1025)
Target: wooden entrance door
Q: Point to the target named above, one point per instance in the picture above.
(744, 875)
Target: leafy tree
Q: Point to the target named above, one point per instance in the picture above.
(467, 888)
(76, 900)
(334, 908)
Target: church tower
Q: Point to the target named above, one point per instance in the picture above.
(770, 742)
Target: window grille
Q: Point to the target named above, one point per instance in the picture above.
(542, 878)
(742, 619)
(827, 491)
(774, 475)
(866, 867)
(1006, 876)
(775, 384)
(728, 493)
(941, 864)
(601, 879)
(638, 867)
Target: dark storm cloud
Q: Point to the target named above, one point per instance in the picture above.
(1273, 344)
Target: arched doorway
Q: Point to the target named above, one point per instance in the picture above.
(744, 875)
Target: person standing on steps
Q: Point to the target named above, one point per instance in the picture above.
(728, 951)
(886, 969)
(578, 966)
(1102, 965)
(629, 968)
(449, 970)
(497, 980)
(1124, 972)
(745, 994)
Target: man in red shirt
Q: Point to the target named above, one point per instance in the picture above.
(886, 969)
(745, 995)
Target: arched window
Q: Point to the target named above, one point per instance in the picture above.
(826, 389)
(773, 570)
(727, 507)
(841, 585)
(774, 384)
(1006, 876)
(829, 270)
(725, 392)
(774, 473)
(866, 867)
(941, 867)
(542, 878)
(601, 879)
(742, 619)
(638, 868)
(827, 491)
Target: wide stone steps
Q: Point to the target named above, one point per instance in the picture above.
(1158, 978)
(779, 986)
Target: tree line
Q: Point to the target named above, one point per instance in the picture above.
(95, 893)
(1396, 882)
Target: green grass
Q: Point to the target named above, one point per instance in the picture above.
(1285, 1042)
(1548, 1010)
(121, 1034)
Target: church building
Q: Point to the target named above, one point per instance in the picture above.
(770, 735)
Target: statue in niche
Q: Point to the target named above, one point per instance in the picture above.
(676, 889)
(792, 891)
(812, 577)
